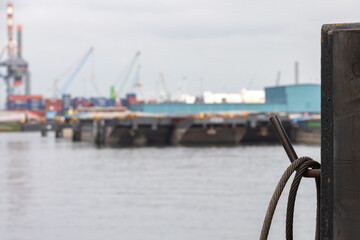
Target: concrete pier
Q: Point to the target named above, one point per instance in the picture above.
(340, 146)
(132, 130)
(210, 130)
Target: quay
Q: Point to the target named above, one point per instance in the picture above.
(139, 129)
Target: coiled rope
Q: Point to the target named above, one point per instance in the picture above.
(300, 165)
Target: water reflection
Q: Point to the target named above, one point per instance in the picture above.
(55, 189)
(16, 187)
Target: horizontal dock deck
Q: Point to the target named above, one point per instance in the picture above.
(141, 130)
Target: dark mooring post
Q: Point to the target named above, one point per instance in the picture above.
(340, 126)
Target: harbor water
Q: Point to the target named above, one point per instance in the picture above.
(55, 189)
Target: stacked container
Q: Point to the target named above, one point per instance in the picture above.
(111, 102)
(124, 102)
(100, 102)
(66, 102)
(26, 102)
(80, 102)
(53, 104)
(17, 102)
(131, 98)
(152, 102)
(35, 103)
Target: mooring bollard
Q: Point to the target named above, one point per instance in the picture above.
(340, 127)
(100, 132)
(76, 130)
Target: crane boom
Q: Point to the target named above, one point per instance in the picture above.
(136, 80)
(76, 71)
(132, 64)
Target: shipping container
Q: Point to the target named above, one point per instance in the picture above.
(132, 101)
(39, 113)
(34, 96)
(23, 97)
(25, 102)
(131, 97)
(75, 99)
(17, 97)
(111, 102)
(53, 104)
(124, 102)
(17, 103)
(80, 102)
(66, 102)
(99, 102)
(50, 114)
(35, 104)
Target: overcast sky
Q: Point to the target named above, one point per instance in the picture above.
(217, 45)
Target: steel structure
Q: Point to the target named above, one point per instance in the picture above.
(16, 67)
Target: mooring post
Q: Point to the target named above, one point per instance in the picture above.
(76, 130)
(100, 134)
(340, 132)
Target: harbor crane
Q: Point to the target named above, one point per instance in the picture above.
(136, 81)
(16, 67)
(166, 95)
(76, 71)
(128, 72)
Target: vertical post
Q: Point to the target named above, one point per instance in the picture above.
(340, 126)
(278, 76)
(296, 72)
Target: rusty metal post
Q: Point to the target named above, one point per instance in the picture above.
(340, 130)
(289, 149)
(283, 137)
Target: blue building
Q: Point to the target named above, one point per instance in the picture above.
(290, 99)
(296, 98)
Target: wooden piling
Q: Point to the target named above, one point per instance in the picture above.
(340, 126)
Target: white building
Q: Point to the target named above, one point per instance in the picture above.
(253, 96)
(245, 96)
(187, 98)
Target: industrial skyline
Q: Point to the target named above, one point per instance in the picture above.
(201, 45)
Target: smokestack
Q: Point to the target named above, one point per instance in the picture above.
(10, 21)
(278, 78)
(296, 73)
(19, 41)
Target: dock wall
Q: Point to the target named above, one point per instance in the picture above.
(139, 131)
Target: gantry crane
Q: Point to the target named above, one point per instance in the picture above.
(16, 67)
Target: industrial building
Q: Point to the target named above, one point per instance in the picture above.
(298, 98)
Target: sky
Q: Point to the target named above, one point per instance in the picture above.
(215, 45)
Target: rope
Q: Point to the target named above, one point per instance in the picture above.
(300, 165)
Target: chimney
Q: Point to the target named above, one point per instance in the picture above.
(296, 72)
(19, 41)
(10, 21)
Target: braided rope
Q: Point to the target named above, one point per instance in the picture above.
(300, 165)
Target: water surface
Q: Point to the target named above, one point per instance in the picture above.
(55, 190)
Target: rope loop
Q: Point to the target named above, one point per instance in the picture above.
(300, 165)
